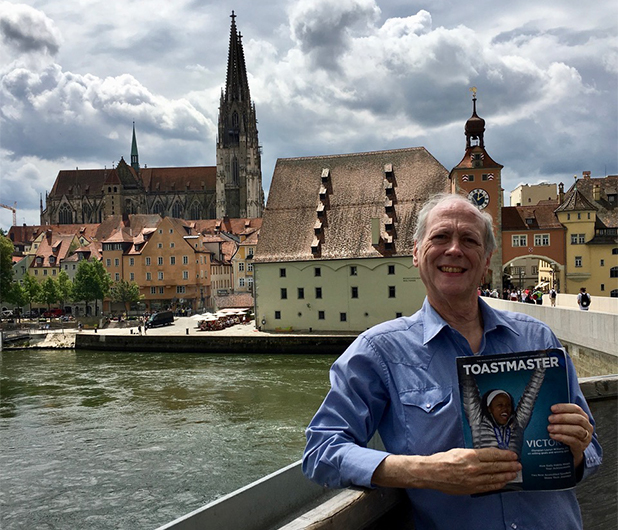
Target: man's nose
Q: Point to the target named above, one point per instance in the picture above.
(454, 246)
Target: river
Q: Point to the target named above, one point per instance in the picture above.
(100, 440)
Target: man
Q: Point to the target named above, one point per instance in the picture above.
(583, 299)
(400, 378)
(552, 296)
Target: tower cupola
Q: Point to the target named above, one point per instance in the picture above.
(475, 127)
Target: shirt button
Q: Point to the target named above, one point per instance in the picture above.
(513, 525)
(428, 405)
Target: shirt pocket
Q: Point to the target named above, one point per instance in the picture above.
(432, 420)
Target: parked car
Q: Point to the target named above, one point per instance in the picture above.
(162, 318)
(53, 313)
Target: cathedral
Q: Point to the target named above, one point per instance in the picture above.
(232, 188)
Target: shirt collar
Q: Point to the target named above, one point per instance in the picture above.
(433, 323)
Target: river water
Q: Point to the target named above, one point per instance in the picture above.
(101, 440)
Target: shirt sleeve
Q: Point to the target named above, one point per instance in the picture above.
(336, 454)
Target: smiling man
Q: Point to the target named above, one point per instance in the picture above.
(400, 379)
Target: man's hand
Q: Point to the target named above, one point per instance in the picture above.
(456, 472)
(570, 425)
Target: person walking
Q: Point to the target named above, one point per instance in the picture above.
(583, 299)
(552, 296)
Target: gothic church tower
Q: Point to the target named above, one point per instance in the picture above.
(239, 174)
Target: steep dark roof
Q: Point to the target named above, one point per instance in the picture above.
(353, 194)
(575, 201)
(542, 216)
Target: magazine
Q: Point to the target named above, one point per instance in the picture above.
(506, 402)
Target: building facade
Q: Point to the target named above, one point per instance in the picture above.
(335, 247)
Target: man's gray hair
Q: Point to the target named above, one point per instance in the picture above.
(421, 222)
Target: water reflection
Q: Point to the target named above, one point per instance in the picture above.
(105, 440)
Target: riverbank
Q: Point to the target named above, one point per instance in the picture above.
(184, 336)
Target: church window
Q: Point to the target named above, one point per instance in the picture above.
(235, 172)
(235, 119)
(177, 210)
(196, 211)
(65, 215)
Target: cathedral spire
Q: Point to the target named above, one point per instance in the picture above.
(236, 85)
(134, 154)
(475, 126)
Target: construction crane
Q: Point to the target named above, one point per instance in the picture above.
(13, 209)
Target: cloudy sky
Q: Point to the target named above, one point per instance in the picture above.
(327, 76)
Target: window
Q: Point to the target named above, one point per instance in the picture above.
(241, 282)
(519, 240)
(172, 244)
(579, 215)
(277, 315)
(180, 289)
(284, 293)
(147, 261)
(578, 261)
(44, 272)
(250, 283)
(116, 262)
(353, 270)
(317, 271)
(117, 276)
(241, 267)
(535, 270)
(391, 269)
(614, 251)
(160, 275)
(249, 267)
(318, 292)
(131, 261)
(160, 260)
(153, 290)
(391, 291)
(614, 293)
(132, 276)
(282, 273)
(108, 262)
(541, 240)
(602, 287)
(602, 263)
(185, 275)
(185, 260)
(343, 317)
(301, 293)
(354, 293)
(159, 245)
(148, 276)
(321, 315)
(161, 290)
(172, 260)
(53, 272)
(613, 272)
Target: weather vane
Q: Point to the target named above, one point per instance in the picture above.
(473, 90)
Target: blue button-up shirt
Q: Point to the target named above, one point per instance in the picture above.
(400, 378)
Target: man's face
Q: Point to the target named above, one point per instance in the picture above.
(501, 409)
(451, 258)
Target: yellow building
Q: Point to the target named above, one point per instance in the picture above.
(589, 212)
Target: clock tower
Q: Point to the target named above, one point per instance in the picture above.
(479, 178)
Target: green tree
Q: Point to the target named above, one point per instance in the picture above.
(31, 289)
(18, 297)
(91, 282)
(125, 292)
(6, 267)
(65, 288)
(49, 292)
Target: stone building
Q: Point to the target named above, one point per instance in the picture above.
(232, 188)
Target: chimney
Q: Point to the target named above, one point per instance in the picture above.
(586, 175)
(561, 192)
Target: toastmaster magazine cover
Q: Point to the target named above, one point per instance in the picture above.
(506, 402)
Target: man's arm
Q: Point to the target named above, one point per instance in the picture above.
(456, 472)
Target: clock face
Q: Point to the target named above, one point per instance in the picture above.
(479, 197)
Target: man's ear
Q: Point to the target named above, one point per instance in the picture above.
(415, 254)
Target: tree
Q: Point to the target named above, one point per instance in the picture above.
(18, 297)
(6, 267)
(125, 292)
(31, 289)
(49, 292)
(91, 282)
(65, 288)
